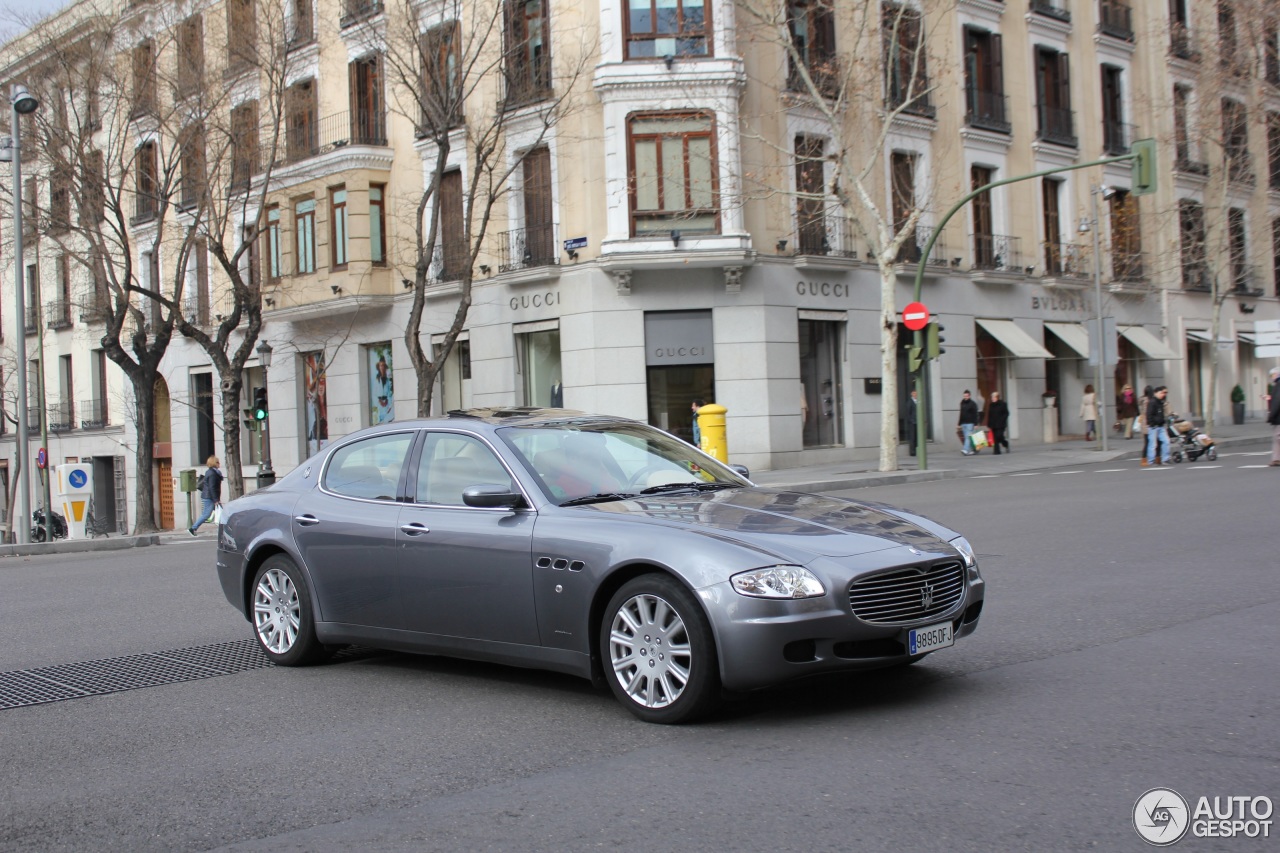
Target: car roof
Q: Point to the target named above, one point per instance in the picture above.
(499, 416)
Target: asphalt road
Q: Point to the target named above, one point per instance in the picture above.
(1127, 642)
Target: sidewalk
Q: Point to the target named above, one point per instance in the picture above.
(858, 472)
(946, 461)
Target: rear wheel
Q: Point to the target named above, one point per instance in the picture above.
(283, 620)
(1211, 454)
(658, 651)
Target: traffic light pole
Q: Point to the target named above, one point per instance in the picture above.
(922, 392)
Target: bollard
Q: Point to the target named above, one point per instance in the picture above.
(711, 424)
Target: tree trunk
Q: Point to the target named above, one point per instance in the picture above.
(888, 367)
(1210, 404)
(144, 395)
(231, 462)
(15, 471)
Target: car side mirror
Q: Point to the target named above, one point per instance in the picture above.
(741, 469)
(490, 496)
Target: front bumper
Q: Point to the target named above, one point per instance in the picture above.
(763, 642)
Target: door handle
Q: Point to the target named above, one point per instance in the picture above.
(306, 520)
(414, 529)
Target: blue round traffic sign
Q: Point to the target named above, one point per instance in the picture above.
(77, 479)
(42, 458)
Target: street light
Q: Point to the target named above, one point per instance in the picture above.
(266, 476)
(22, 103)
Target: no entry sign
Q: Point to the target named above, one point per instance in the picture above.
(915, 316)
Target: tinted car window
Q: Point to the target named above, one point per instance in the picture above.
(451, 463)
(369, 468)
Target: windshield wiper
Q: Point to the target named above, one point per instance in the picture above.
(600, 498)
(701, 487)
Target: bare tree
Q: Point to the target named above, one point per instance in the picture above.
(462, 76)
(857, 69)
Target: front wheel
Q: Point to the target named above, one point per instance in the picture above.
(1211, 454)
(657, 647)
(283, 619)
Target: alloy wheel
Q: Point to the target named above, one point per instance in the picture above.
(650, 651)
(276, 611)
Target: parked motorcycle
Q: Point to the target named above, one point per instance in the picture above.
(38, 533)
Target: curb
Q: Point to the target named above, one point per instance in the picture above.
(80, 546)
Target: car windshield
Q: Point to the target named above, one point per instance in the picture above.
(612, 460)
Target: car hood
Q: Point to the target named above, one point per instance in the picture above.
(793, 525)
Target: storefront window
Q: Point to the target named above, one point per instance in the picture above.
(317, 401)
(538, 362)
(821, 382)
(382, 390)
(455, 377)
(990, 367)
(680, 359)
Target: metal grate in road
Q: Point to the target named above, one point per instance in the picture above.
(112, 675)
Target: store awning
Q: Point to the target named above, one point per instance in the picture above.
(1200, 337)
(1246, 337)
(1073, 335)
(1148, 343)
(1017, 342)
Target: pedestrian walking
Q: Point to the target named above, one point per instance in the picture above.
(210, 493)
(998, 419)
(1157, 435)
(1089, 411)
(912, 422)
(1273, 415)
(968, 420)
(1127, 409)
(1147, 393)
(697, 430)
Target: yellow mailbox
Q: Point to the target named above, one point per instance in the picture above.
(711, 425)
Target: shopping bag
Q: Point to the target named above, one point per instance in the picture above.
(979, 439)
(216, 518)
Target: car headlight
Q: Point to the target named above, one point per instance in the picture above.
(966, 551)
(778, 582)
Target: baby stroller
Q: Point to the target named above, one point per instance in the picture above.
(1186, 440)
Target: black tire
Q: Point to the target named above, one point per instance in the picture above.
(37, 533)
(681, 685)
(282, 615)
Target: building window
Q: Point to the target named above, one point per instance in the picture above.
(149, 280)
(902, 186)
(441, 95)
(316, 402)
(242, 35)
(196, 284)
(1126, 238)
(1271, 53)
(984, 81)
(244, 144)
(382, 389)
(1054, 119)
(59, 201)
(453, 255)
(1050, 201)
(538, 363)
(32, 307)
(821, 383)
(144, 79)
(1275, 254)
(274, 257)
(538, 246)
(203, 417)
(193, 167)
(304, 216)
(673, 174)
(1235, 141)
(659, 28)
(1115, 133)
(368, 120)
(455, 376)
(984, 255)
(377, 224)
(528, 60)
(1191, 235)
(302, 106)
(146, 183)
(92, 180)
(907, 74)
(813, 35)
(1273, 150)
(1229, 54)
(1238, 250)
(338, 226)
(302, 28)
(190, 56)
(811, 235)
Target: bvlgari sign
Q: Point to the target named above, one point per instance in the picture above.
(678, 337)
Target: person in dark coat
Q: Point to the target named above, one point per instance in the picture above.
(968, 420)
(210, 493)
(998, 420)
(1273, 415)
(1156, 417)
(912, 422)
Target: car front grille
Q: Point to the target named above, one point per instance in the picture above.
(908, 595)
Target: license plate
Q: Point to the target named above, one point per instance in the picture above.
(921, 640)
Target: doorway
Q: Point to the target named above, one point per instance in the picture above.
(104, 493)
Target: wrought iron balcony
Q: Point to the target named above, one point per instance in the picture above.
(32, 319)
(1128, 266)
(986, 111)
(827, 235)
(912, 250)
(997, 253)
(526, 82)
(1240, 168)
(1066, 260)
(450, 262)
(57, 315)
(1183, 163)
(1182, 43)
(1195, 276)
(523, 248)
(1057, 125)
(1115, 19)
(1117, 137)
(62, 417)
(92, 308)
(917, 104)
(823, 69)
(306, 140)
(1051, 9)
(355, 11)
(1245, 280)
(93, 414)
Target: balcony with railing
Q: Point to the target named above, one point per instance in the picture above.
(824, 236)
(1069, 261)
(912, 249)
(1051, 9)
(306, 140)
(1115, 19)
(1245, 280)
(92, 308)
(1184, 163)
(1240, 167)
(145, 208)
(355, 11)
(57, 315)
(1183, 43)
(997, 253)
(525, 248)
(1056, 125)
(915, 103)
(1117, 137)
(93, 414)
(1129, 270)
(35, 411)
(824, 71)
(450, 262)
(62, 417)
(986, 111)
(1195, 276)
(526, 82)
(32, 319)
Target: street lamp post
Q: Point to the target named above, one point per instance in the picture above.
(1099, 396)
(22, 103)
(266, 476)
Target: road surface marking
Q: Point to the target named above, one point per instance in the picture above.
(1109, 470)
(1253, 466)
(1205, 467)
(1027, 474)
(1068, 472)
(984, 477)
